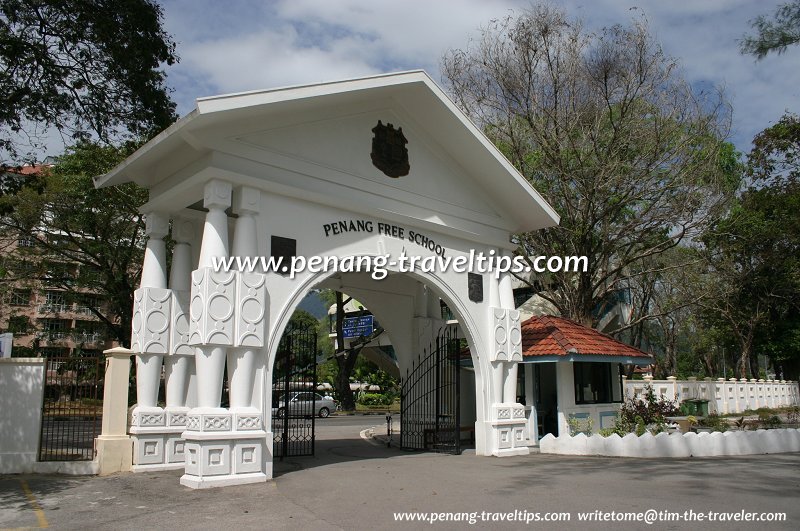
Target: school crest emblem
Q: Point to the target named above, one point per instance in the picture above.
(389, 153)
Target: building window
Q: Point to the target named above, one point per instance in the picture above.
(597, 383)
(55, 328)
(20, 297)
(19, 324)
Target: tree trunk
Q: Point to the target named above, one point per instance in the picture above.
(344, 360)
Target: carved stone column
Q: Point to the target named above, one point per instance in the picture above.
(223, 448)
(250, 303)
(150, 342)
(179, 365)
(508, 424)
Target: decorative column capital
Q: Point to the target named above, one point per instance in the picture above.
(183, 230)
(246, 201)
(156, 225)
(217, 195)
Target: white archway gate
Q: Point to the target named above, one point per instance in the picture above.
(315, 171)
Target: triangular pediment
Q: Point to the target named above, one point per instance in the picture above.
(315, 142)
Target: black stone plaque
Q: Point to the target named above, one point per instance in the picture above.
(286, 249)
(389, 153)
(475, 287)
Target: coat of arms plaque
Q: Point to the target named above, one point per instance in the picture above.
(389, 153)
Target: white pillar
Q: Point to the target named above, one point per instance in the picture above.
(150, 339)
(154, 275)
(530, 400)
(179, 364)
(210, 358)
(506, 296)
(242, 361)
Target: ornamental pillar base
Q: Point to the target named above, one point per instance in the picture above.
(225, 447)
(157, 441)
(507, 432)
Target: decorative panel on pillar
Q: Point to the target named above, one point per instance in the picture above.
(212, 319)
(150, 327)
(226, 446)
(507, 336)
(179, 334)
(251, 299)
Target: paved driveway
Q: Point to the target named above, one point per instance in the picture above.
(356, 484)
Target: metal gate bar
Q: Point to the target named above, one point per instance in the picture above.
(430, 417)
(295, 376)
(71, 412)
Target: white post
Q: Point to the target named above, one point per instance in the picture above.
(530, 401)
(150, 339)
(179, 364)
(506, 296)
(241, 361)
(210, 356)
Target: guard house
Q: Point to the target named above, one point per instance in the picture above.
(383, 165)
(572, 372)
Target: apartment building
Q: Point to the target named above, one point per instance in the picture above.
(40, 303)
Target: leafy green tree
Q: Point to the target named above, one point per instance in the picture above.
(602, 124)
(774, 34)
(72, 223)
(84, 67)
(753, 282)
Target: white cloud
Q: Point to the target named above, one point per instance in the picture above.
(245, 45)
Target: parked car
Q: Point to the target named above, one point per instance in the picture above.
(306, 404)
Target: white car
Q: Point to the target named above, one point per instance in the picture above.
(306, 404)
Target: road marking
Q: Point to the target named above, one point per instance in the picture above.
(366, 434)
(40, 517)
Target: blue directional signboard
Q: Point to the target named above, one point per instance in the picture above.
(353, 327)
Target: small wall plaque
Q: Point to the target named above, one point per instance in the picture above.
(285, 248)
(475, 287)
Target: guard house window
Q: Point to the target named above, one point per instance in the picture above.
(597, 383)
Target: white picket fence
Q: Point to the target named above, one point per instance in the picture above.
(724, 396)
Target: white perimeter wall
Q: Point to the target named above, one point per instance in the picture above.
(21, 381)
(724, 396)
(675, 444)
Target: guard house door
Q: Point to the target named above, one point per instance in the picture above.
(294, 384)
(430, 398)
(546, 405)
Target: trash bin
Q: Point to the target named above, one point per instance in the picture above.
(701, 407)
(688, 407)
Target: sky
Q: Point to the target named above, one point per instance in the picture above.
(241, 45)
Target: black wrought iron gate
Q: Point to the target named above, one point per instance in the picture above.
(430, 398)
(72, 409)
(294, 385)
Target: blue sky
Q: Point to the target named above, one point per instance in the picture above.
(239, 45)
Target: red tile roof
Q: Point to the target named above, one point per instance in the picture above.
(27, 169)
(546, 335)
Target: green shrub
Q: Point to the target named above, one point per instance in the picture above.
(767, 420)
(375, 399)
(648, 413)
(715, 422)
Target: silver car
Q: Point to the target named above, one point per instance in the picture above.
(306, 404)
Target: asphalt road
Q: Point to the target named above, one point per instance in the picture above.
(352, 483)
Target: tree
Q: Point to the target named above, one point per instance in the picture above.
(754, 272)
(602, 124)
(71, 222)
(773, 35)
(84, 67)
(775, 156)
